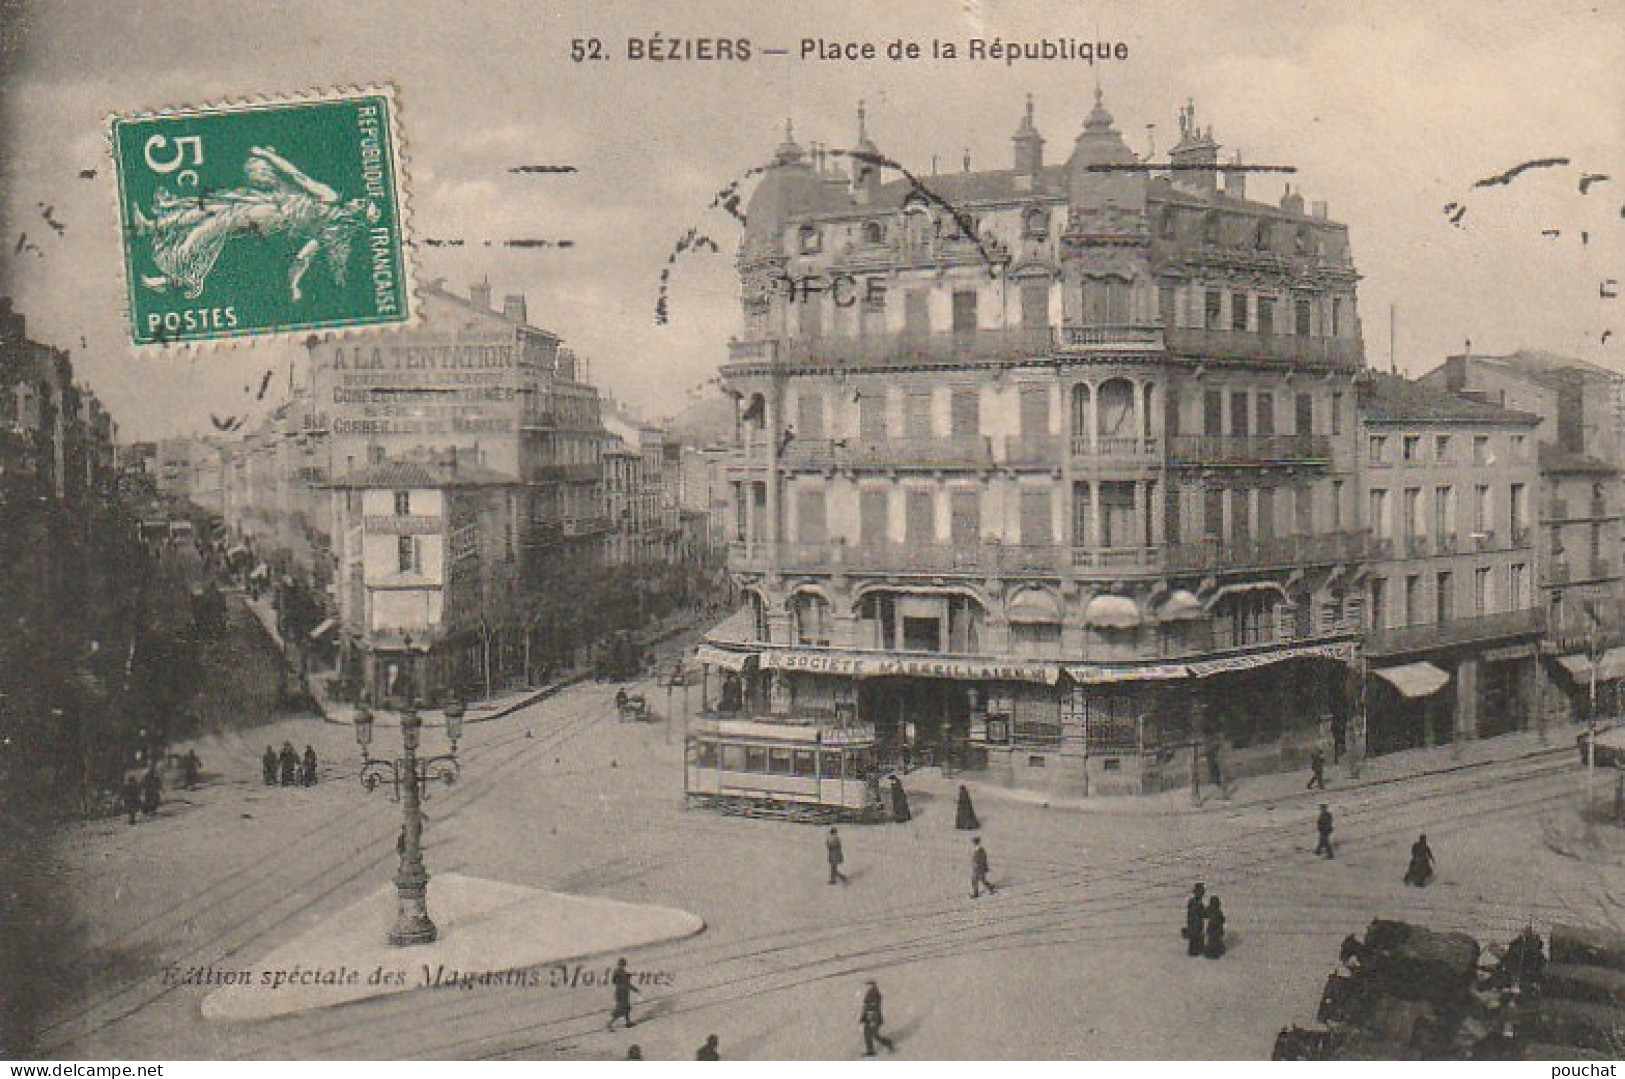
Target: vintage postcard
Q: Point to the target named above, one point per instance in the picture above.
(948, 530)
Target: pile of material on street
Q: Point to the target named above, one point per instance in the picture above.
(1406, 992)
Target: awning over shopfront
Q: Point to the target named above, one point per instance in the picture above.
(1342, 652)
(883, 664)
(1033, 608)
(737, 628)
(1181, 606)
(327, 626)
(1610, 668)
(1112, 612)
(724, 659)
(1092, 674)
(1414, 679)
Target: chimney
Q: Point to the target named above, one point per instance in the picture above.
(1194, 154)
(1319, 209)
(1291, 201)
(513, 307)
(480, 295)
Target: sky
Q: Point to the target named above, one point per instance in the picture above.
(1389, 111)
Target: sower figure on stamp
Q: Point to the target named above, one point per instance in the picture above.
(978, 870)
(833, 846)
(1323, 826)
(1195, 919)
(622, 981)
(871, 1018)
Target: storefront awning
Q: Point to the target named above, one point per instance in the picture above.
(884, 664)
(1090, 674)
(1342, 652)
(1112, 612)
(1033, 608)
(728, 661)
(1414, 679)
(1610, 668)
(1181, 606)
(323, 629)
(737, 628)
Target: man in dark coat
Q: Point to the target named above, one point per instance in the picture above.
(132, 797)
(1195, 918)
(307, 773)
(269, 762)
(871, 1018)
(1317, 770)
(709, 1050)
(1323, 825)
(965, 819)
(152, 786)
(899, 802)
(622, 981)
(1420, 871)
(191, 765)
(978, 869)
(1213, 943)
(290, 764)
(832, 845)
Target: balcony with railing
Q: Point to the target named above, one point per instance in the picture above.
(1126, 448)
(1317, 548)
(895, 349)
(911, 453)
(1116, 558)
(1268, 348)
(1248, 450)
(1457, 631)
(1089, 338)
(977, 558)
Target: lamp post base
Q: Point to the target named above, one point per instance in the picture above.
(412, 923)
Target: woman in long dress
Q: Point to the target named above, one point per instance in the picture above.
(1213, 942)
(965, 819)
(899, 802)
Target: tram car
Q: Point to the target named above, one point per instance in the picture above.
(800, 773)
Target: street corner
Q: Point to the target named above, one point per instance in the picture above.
(491, 935)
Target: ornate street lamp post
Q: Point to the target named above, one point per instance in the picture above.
(408, 777)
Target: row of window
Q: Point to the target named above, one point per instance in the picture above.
(1420, 599)
(1446, 520)
(1440, 449)
(775, 761)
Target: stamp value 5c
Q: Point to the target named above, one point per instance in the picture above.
(265, 218)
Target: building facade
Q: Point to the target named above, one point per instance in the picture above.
(1051, 470)
(1454, 616)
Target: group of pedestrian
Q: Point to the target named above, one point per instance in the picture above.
(289, 767)
(1204, 924)
(871, 1016)
(1419, 872)
(143, 795)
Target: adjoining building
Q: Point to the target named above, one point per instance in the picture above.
(1454, 618)
(1049, 470)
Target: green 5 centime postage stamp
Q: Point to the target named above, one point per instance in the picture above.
(263, 218)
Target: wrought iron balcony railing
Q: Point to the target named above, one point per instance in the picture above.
(1457, 631)
(1319, 548)
(1244, 450)
(1119, 447)
(1272, 348)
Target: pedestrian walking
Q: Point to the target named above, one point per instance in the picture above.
(965, 819)
(132, 797)
(289, 760)
(1213, 945)
(1195, 919)
(832, 845)
(872, 1018)
(709, 1050)
(978, 869)
(621, 979)
(1323, 825)
(191, 765)
(634, 1052)
(152, 786)
(1317, 770)
(307, 772)
(1420, 871)
(269, 763)
(899, 802)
